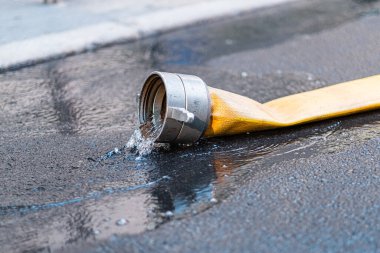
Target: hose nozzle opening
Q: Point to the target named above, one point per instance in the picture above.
(174, 108)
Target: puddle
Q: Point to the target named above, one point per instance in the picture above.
(179, 182)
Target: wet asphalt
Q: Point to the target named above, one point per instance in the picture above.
(313, 188)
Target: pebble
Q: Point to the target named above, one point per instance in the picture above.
(213, 200)
(244, 74)
(121, 222)
(151, 226)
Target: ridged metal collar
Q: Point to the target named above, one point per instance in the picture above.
(174, 108)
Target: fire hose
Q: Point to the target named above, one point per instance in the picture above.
(178, 108)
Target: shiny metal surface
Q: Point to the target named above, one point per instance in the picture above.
(169, 128)
(174, 108)
(197, 102)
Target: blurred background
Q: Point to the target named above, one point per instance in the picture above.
(33, 30)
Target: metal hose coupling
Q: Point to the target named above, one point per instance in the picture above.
(174, 108)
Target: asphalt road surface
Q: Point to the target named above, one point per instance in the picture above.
(313, 188)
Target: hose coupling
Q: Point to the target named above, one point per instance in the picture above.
(174, 108)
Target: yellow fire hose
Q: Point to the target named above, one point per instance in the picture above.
(183, 109)
(234, 114)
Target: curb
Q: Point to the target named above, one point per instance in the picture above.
(25, 52)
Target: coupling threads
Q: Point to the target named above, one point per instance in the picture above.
(174, 108)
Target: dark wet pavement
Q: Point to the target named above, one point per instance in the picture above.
(310, 188)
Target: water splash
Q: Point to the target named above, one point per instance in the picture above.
(139, 144)
(144, 144)
(142, 141)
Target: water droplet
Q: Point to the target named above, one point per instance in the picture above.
(168, 214)
(229, 42)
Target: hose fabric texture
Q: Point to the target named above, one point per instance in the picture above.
(234, 114)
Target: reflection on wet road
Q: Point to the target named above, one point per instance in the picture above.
(58, 119)
(178, 182)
